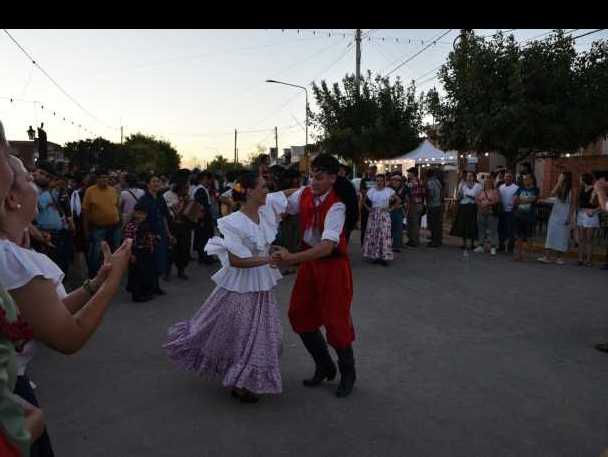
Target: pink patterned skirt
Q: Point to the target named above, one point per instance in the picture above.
(234, 336)
(378, 242)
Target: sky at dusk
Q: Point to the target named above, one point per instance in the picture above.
(194, 87)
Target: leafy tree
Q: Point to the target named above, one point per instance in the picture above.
(220, 163)
(145, 153)
(591, 93)
(383, 120)
(432, 104)
(140, 153)
(518, 100)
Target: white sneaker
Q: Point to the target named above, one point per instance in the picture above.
(465, 253)
(543, 259)
(560, 262)
(493, 251)
(479, 250)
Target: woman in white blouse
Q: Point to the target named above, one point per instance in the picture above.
(236, 335)
(59, 320)
(465, 225)
(377, 245)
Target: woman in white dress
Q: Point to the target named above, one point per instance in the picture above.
(560, 220)
(378, 243)
(236, 335)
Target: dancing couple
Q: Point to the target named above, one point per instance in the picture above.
(236, 335)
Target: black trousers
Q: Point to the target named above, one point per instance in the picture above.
(180, 254)
(364, 218)
(202, 234)
(42, 446)
(63, 252)
(435, 221)
(506, 227)
(143, 279)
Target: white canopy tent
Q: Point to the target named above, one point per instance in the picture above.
(424, 155)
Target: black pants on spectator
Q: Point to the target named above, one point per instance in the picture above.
(143, 279)
(42, 446)
(202, 234)
(180, 254)
(63, 252)
(435, 222)
(364, 217)
(506, 226)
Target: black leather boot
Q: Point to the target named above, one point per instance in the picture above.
(346, 362)
(325, 368)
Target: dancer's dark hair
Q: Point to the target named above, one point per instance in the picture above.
(343, 188)
(245, 181)
(566, 186)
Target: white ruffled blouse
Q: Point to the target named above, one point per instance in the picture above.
(18, 266)
(244, 238)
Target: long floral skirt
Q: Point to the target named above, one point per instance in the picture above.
(234, 336)
(378, 238)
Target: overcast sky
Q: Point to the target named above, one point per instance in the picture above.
(194, 87)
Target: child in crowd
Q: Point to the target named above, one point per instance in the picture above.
(141, 281)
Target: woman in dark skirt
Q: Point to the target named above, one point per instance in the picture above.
(465, 225)
(181, 227)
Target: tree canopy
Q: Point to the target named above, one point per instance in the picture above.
(519, 99)
(139, 153)
(382, 120)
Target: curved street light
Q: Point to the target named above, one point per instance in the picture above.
(306, 121)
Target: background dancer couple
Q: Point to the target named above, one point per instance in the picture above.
(236, 335)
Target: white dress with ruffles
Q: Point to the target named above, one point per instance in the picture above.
(244, 238)
(236, 335)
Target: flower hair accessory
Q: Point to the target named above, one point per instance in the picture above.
(238, 188)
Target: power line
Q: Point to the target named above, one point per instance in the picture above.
(297, 95)
(409, 59)
(588, 33)
(217, 52)
(55, 82)
(42, 105)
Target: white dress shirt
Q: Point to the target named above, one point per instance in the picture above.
(334, 220)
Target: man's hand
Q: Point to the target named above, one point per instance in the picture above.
(279, 256)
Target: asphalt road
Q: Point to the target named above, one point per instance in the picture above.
(455, 357)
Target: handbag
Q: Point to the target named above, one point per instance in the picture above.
(193, 212)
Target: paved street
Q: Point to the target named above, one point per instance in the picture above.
(474, 358)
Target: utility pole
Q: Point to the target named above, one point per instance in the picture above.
(358, 59)
(236, 157)
(121, 133)
(276, 141)
(357, 72)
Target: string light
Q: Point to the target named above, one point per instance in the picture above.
(395, 39)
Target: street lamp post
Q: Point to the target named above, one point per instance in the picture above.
(306, 121)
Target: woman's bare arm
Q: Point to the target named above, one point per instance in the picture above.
(52, 322)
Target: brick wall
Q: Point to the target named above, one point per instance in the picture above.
(576, 165)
